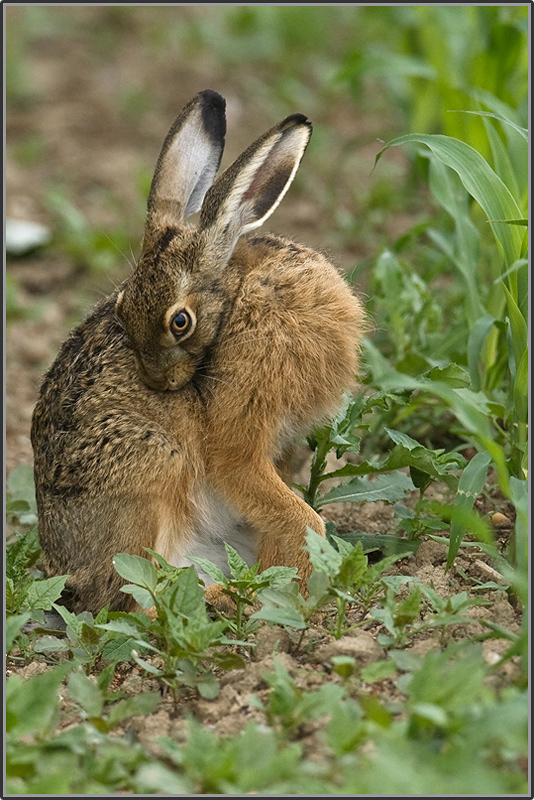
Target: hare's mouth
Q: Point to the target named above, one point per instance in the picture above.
(172, 380)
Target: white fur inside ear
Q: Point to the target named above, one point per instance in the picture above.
(189, 167)
(287, 152)
(260, 183)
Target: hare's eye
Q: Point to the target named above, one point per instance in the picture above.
(180, 323)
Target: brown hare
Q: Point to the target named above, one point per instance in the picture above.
(169, 415)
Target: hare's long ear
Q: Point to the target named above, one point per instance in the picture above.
(250, 189)
(189, 160)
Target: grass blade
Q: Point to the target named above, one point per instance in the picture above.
(482, 183)
(470, 485)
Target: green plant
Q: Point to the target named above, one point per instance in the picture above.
(480, 57)
(21, 506)
(341, 575)
(186, 641)
(502, 211)
(84, 641)
(254, 758)
(243, 585)
(25, 592)
(287, 706)
(93, 701)
(397, 616)
(81, 759)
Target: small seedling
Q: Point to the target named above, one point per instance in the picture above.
(244, 585)
(186, 641)
(288, 706)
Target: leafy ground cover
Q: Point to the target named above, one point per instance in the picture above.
(404, 669)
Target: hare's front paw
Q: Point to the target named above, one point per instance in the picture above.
(221, 602)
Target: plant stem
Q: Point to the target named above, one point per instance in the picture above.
(316, 471)
(341, 606)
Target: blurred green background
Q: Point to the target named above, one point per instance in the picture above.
(91, 92)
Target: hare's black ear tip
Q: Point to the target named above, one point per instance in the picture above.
(213, 112)
(296, 120)
(213, 100)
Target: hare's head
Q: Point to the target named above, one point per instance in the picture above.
(172, 306)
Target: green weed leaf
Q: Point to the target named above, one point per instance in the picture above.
(136, 569)
(86, 693)
(480, 181)
(323, 555)
(388, 488)
(42, 594)
(32, 706)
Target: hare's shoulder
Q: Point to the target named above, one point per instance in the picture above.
(286, 280)
(96, 341)
(96, 352)
(276, 249)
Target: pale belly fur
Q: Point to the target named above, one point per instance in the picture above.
(216, 523)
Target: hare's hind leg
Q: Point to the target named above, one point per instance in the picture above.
(85, 538)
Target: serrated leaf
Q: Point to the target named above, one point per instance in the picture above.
(353, 568)
(199, 636)
(408, 609)
(211, 569)
(277, 576)
(44, 593)
(89, 635)
(119, 649)
(388, 488)
(239, 568)
(323, 555)
(187, 596)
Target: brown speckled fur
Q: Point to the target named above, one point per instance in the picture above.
(129, 423)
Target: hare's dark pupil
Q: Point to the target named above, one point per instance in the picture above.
(180, 322)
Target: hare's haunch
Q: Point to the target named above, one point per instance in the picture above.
(170, 413)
